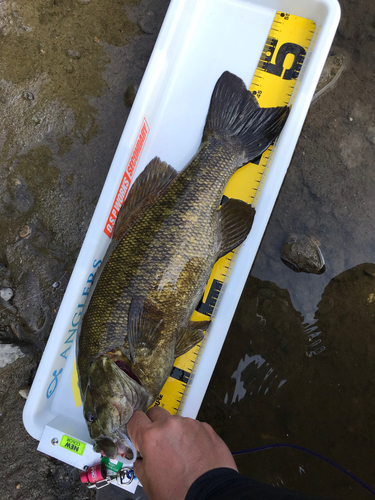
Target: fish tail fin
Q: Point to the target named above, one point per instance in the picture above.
(235, 113)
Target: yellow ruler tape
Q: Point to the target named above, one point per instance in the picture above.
(273, 84)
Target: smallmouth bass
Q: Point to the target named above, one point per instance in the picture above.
(169, 234)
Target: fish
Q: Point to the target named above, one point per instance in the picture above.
(170, 231)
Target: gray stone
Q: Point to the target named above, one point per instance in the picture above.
(9, 353)
(6, 294)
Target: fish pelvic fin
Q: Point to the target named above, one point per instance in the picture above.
(235, 113)
(147, 188)
(190, 336)
(235, 221)
(145, 325)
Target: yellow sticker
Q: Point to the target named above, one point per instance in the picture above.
(73, 445)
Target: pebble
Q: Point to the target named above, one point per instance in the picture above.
(6, 294)
(24, 392)
(29, 96)
(25, 232)
(73, 54)
(36, 119)
(9, 353)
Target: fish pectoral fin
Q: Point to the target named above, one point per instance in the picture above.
(235, 221)
(147, 188)
(190, 336)
(145, 325)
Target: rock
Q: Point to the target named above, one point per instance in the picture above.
(28, 96)
(24, 392)
(6, 294)
(9, 353)
(301, 253)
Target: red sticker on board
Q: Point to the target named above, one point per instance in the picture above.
(127, 179)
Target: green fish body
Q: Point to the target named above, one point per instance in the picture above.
(169, 234)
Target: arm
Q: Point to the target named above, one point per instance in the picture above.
(183, 459)
(176, 451)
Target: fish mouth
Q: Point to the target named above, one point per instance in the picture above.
(126, 369)
(112, 449)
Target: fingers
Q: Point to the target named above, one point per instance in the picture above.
(140, 422)
(157, 414)
(136, 427)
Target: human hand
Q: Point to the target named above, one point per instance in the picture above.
(175, 452)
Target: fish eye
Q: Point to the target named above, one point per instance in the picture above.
(90, 417)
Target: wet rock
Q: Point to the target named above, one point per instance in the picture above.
(6, 293)
(148, 22)
(9, 353)
(302, 254)
(130, 94)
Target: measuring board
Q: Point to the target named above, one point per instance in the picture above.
(273, 83)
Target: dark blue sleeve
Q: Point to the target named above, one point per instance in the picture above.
(225, 484)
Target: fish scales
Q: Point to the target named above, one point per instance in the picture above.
(167, 255)
(155, 271)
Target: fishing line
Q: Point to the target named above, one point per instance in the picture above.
(313, 453)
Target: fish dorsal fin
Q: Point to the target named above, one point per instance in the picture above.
(147, 188)
(235, 221)
(190, 336)
(145, 325)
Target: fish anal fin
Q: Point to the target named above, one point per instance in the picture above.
(145, 325)
(147, 188)
(235, 221)
(190, 336)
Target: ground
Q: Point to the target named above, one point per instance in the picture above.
(66, 66)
